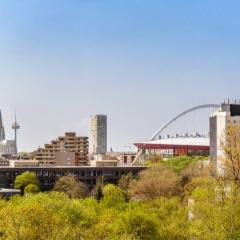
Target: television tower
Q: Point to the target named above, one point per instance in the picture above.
(15, 127)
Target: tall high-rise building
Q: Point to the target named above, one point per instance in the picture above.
(98, 134)
(2, 131)
(228, 114)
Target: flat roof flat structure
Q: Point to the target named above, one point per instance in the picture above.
(6, 193)
(191, 143)
(6, 190)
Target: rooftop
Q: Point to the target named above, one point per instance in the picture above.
(5, 190)
(189, 141)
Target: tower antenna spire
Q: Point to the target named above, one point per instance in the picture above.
(15, 127)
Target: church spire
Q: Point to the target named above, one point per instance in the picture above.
(2, 132)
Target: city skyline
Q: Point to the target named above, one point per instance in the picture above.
(139, 63)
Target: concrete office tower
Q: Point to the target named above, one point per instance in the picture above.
(228, 114)
(2, 131)
(98, 134)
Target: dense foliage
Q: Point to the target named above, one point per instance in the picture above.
(55, 216)
(165, 202)
(70, 186)
(211, 213)
(28, 182)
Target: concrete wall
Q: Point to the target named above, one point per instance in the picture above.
(217, 131)
(23, 163)
(65, 159)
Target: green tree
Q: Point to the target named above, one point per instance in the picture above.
(171, 216)
(112, 195)
(104, 228)
(196, 182)
(70, 186)
(125, 181)
(97, 192)
(31, 188)
(79, 216)
(230, 144)
(22, 219)
(25, 179)
(124, 184)
(215, 212)
(138, 224)
(155, 182)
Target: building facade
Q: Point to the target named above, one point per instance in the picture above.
(8, 148)
(98, 134)
(69, 148)
(123, 158)
(48, 175)
(228, 114)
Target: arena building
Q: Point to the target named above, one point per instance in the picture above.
(177, 146)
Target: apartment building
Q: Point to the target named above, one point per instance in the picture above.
(70, 149)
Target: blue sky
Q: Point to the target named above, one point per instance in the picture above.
(138, 61)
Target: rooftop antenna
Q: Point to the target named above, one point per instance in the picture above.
(15, 127)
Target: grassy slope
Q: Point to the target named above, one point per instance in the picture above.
(178, 164)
